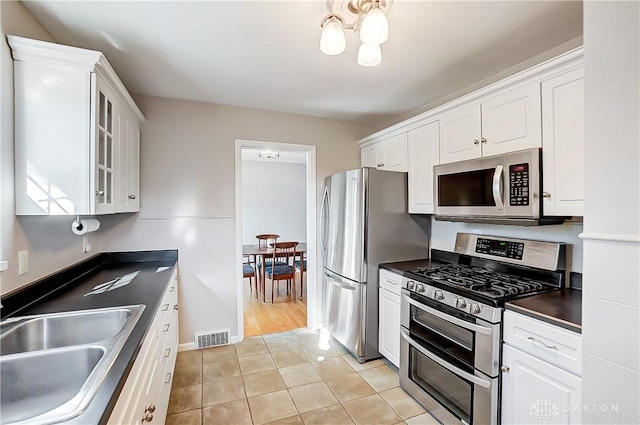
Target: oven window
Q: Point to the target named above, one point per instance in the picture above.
(453, 392)
(467, 189)
(447, 337)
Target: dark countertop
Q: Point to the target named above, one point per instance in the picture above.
(561, 308)
(68, 290)
(404, 266)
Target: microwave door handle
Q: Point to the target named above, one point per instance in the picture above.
(469, 377)
(470, 326)
(498, 186)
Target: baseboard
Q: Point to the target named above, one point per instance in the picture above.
(187, 346)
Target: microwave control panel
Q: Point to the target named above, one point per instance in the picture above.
(519, 184)
(500, 248)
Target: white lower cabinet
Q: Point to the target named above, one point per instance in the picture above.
(535, 389)
(145, 395)
(389, 316)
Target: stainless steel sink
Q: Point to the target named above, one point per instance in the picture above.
(64, 329)
(52, 365)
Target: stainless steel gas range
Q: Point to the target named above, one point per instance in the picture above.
(451, 317)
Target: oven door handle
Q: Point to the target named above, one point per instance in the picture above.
(449, 318)
(466, 375)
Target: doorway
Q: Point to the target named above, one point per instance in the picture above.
(251, 219)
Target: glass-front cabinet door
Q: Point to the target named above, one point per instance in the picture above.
(105, 150)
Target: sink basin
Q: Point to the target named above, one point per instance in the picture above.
(64, 329)
(52, 365)
(43, 381)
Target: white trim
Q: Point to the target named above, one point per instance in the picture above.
(610, 237)
(544, 70)
(187, 346)
(313, 316)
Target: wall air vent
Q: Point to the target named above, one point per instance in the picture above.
(212, 338)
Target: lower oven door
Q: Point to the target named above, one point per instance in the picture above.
(454, 394)
(452, 332)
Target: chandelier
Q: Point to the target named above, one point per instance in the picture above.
(370, 25)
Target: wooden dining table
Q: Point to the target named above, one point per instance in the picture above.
(256, 252)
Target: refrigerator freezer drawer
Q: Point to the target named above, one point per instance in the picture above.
(346, 301)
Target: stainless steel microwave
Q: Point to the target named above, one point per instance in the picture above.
(502, 189)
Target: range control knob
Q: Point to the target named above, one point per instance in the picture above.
(411, 284)
(475, 308)
(420, 287)
(438, 296)
(461, 303)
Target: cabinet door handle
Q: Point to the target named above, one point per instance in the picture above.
(166, 327)
(483, 140)
(504, 369)
(173, 288)
(546, 195)
(148, 417)
(175, 307)
(476, 141)
(537, 341)
(150, 409)
(167, 378)
(165, 307)
(132, 197)
(100, 193)
(380, 164)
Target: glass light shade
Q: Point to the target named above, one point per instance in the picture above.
(332, 40)
(369, 54)
(375, 27)
(268, 154)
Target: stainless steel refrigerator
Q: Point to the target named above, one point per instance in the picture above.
(364, 223)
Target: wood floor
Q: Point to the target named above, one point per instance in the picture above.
(264, 318)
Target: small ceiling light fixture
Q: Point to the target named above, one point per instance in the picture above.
(370, 24)
(268, 153)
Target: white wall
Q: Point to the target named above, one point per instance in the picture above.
(273, 200)
(443, 236)
(188, 193)
(611, 294)
(49, 240)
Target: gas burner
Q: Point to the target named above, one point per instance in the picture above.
(483, 282)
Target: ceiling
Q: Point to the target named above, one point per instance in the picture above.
(265, 54)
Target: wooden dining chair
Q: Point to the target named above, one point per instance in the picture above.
(282, 259)
(265, 241)
(249, 271)
(301, 265)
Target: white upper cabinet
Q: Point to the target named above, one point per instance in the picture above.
(389, 154)
(128, 182)
(563, 144)
(76, 132)
(506, 122)
(423, 152)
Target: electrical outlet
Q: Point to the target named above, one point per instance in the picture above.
(23, 262)
(86, 246)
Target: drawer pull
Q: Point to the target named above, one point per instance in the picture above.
(550, 347)
(167, 352)
(167, 378)
(173, 288)
(165, 307)
(165, 328)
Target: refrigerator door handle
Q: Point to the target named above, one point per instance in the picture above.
(340, 284)
(324, 212)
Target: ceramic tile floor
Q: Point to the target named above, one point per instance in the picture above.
(285, 378)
